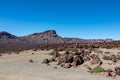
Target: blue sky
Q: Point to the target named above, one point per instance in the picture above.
(70, 18)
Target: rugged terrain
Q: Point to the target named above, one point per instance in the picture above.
(18, 67)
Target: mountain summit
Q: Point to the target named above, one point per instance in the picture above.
(47, 37)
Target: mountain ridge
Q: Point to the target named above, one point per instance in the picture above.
(46, 37)
(49, 38)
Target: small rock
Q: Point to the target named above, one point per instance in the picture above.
(31, 61)
(67, 65)
(45, 61)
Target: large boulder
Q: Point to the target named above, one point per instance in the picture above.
(95, 59)
(78, 60)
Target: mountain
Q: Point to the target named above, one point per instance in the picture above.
(78, 40)
(9, 42)
(46, 37)
(74, 40)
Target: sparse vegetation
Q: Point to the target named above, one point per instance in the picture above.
(118, 52)
(106, 57)
(52, 53)
(118, 57)
(59, 62)
(107, 52)
(98, 51)
(97, 70)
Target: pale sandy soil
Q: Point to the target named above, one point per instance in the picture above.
(17, 67)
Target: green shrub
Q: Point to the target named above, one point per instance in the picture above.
(59, 62)
(118, 57)
(97, 70)
(52, 53)
(107, 52)
(98, 51)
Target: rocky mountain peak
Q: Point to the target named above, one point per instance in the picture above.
(50, 32)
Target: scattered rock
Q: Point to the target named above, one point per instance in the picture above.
(73, 59)
(113, 58)
(117, 70)
(87, 67)
(45, 61)
(67, 65)
(107, 57)
(31, 61)
(32, 53)
(104, 74)
(55, 67)
(95, 59)
(78, 60)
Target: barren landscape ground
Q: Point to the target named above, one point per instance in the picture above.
(59, 39)
(17, 67)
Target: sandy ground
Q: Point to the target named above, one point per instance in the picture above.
(17, 67)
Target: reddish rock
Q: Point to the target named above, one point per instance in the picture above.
(67, 65)
(87, 67)
(104, 74)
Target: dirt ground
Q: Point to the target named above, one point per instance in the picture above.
(17, 67)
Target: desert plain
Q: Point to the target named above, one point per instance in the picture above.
(18, 67)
